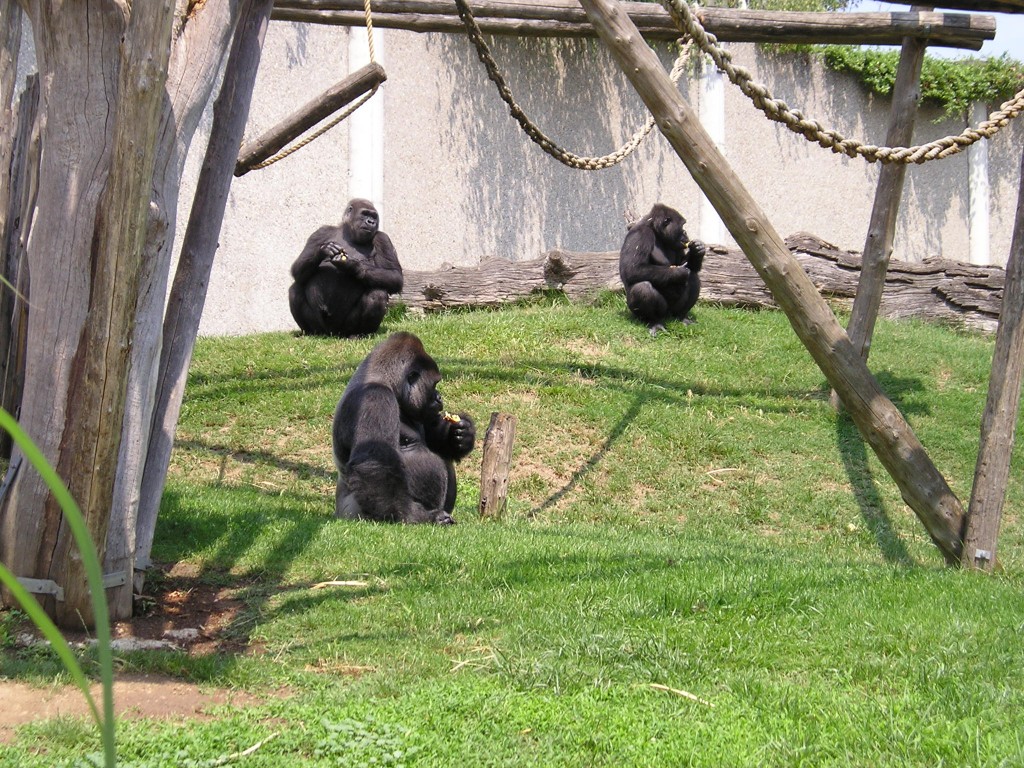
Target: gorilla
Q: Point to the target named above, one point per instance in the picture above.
(344, 275)
(658, 265)
(395, 446)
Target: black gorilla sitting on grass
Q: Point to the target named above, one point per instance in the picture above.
(658, 265)
(395, 447)
(344, 275)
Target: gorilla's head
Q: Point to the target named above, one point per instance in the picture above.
(360, 222)
(401, 363)
(668, 225)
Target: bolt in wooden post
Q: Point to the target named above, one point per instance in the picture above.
(497, 461)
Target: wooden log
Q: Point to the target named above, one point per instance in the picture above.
(496, 464)
(986, 6)
(999, 421)
(937, 290)
(564, 18)
(344, 92)
(923, 488)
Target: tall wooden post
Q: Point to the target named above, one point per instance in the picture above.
(999, 422)
(497, 460)
(884, 213)
(879, 421)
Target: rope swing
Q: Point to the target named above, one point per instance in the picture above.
(362, 83)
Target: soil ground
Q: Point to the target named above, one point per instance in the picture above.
(184, 611)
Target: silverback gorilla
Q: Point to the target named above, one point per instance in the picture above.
(658, 265)
(395, 447)
(344, 275)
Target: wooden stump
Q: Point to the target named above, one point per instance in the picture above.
(497, 461)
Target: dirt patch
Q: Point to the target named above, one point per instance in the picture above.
(134, 696)
(185, 610)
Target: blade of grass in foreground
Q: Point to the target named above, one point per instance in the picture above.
(94, 575)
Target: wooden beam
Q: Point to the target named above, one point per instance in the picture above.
(342, 93)
(563, 18)
(923, 488)
(977, 6)
(999, 422)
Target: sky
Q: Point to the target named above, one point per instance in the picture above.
(1009, 32)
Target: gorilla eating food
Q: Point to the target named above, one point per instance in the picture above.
(344, 275)
(658, 265)
(395, 446)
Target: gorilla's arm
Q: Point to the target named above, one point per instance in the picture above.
(306, 265)
(695, 255)
(382, 270)
(636, 266)
(376, 475)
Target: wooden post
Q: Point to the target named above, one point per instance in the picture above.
(923, 488)
(496, 463)
(882, 229)
(344, 92)
(998, 424)
(192, 276)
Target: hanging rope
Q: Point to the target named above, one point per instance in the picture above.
(563, 156)
(348, 111)
(777, 110)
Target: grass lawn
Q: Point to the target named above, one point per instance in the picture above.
(700, 563)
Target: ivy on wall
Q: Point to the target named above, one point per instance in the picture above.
(952, 84)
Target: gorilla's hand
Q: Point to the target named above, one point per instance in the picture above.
(463, 434)
(679, 273)
(333, 250)
(695, 255)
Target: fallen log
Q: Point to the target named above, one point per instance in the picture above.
(565, 18)
(937, 290)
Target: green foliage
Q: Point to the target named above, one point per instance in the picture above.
(686, 511)
(953, 84)
(94, 574)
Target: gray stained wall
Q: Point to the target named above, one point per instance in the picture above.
(462, 183)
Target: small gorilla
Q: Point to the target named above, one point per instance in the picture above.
(395, 447)
(344, 275)
(658, 265)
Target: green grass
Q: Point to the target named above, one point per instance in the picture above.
(686, 511)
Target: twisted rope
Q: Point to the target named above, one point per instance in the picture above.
(777, 110)
(563, 156)
(348, 111)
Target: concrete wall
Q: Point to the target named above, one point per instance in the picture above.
(462, 182)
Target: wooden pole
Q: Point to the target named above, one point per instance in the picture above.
(879, 421)
(998, 424)
(563, 18)
(497, 461)
(192, 276)
(888, 194)
(344, 92)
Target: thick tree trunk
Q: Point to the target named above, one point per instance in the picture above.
(879, 421)
(938, 290)
(188, 293)
(78, 87)
(199, 44)
(89, 447)
(999, 422)
(564, 18)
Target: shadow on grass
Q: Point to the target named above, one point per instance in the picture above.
(854, 452)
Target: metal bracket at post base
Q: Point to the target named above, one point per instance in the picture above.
(52, 588)
(982, 557)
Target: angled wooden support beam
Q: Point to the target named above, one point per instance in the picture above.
(923, 488)
(326, 104)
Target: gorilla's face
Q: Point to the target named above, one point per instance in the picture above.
(361, 220)
(668, 225)
(419, 398)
